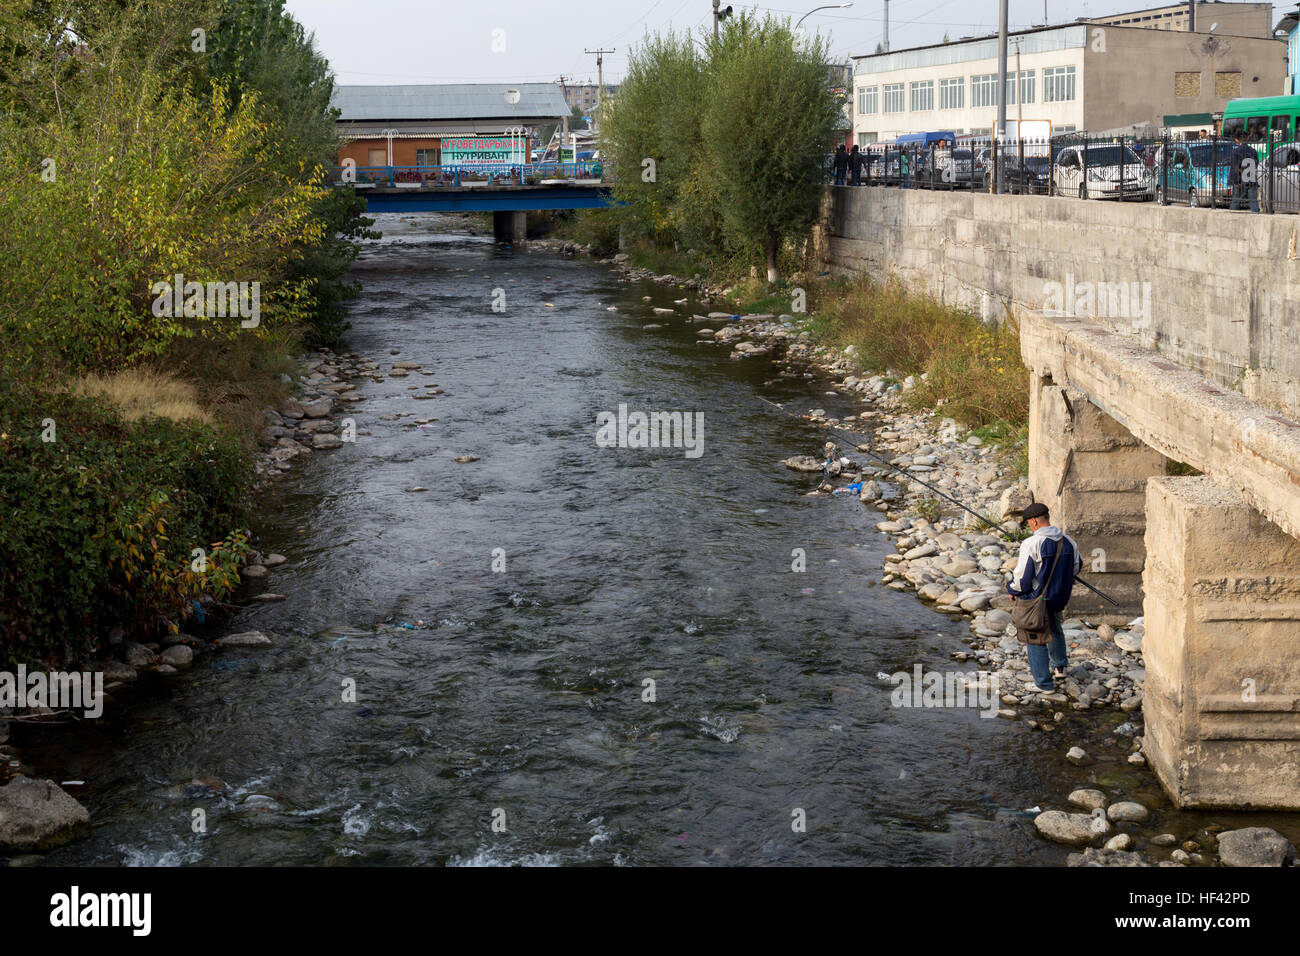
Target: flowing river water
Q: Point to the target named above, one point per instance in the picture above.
(520, 701)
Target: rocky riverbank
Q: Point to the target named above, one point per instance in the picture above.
(897, 461)
(38, 814)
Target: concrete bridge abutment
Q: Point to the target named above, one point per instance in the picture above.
(1222, 649)
(1213, 560)
(1091, 472)
(510, 227)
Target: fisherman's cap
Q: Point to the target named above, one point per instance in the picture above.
(1036, 510)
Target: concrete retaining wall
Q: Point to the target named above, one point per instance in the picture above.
(1216, 291)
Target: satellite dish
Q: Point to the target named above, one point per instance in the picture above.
(1213, 27)
(512, 97)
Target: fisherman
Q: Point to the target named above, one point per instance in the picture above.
(1048, 551)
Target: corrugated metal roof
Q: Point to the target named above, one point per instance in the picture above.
(409, 130)
(450, 101)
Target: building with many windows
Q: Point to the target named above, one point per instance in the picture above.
(585, 96)
(1085, 75)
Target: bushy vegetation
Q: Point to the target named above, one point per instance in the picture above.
(141, 139)
(101, 517)
(972, 369)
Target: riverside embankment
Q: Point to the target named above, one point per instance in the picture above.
(523, 690)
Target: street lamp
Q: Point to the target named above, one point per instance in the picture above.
(832, 6)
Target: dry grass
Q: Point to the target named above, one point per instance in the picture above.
(140, 393)
(211, 383)
(972, 369)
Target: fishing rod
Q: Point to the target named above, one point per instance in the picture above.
(849, 438)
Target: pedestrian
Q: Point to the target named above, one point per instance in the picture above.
(855, 165)
(1244, 176)
(902, 166)
(841, 164)
(1049, 560)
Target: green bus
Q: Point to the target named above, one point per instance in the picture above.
(1261, 119)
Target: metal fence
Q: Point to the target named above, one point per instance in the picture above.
(468, 175)
(1211, 173)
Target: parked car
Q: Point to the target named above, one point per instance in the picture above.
(887, 167)
(1197, 174)
(1114, 172)
(1028, 178)
(965, 160)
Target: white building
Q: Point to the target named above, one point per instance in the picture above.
(1087, 75)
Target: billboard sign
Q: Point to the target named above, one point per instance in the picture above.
(484, 150)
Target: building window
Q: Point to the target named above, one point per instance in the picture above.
(1228, 85)
(984, 90)
(952, 93)
(1188, 83)
(1027, 87)
(1058, 84)
(922, 95)
(893, 97)
(869, 100)
(426, 157)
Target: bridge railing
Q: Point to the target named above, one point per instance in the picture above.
(467, 175)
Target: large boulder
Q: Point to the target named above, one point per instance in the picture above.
(1088, 799)
(178, 656)
(244, 639)
(319, 408)
(1255, 846)
(1073, 829)
(37, 815)
(1014, 501)
(802, 463)
(1127, 810)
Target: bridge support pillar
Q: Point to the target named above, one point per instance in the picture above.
(1222, 649)
(1092, 473)
(511, 227)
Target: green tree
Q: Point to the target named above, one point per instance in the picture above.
(653, 138)
(258, 48)
(769, 120)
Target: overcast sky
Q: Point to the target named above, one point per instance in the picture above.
(449, 41)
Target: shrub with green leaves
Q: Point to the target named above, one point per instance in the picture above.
(98, 527)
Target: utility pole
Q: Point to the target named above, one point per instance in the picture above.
(564, 121)
(718, 17)
(886, 26)
(1002, 88)
(600, 76)
(1020, 115)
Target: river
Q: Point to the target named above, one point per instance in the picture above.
(521, 700)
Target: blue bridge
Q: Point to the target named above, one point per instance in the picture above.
(507, 192)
